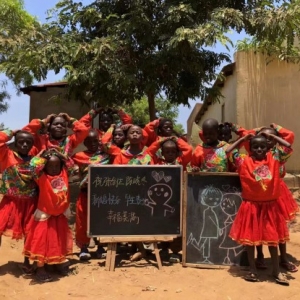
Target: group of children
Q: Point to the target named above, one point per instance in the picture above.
(36, 198)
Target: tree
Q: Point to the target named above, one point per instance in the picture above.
(119, 51)
(139, 112)
(15, 25)
(278, 32)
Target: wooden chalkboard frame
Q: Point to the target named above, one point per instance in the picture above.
(184, 223)
(132, 238)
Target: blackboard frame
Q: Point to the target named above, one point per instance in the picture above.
(125, 238)
(184, 219)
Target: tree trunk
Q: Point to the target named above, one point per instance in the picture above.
(151, 106)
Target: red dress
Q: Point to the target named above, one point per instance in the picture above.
(65, 145)
(20, 191)
(49, 239)
(286, 201)
(83, 160)
(259, 219)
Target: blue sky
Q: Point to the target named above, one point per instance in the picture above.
(18, 113)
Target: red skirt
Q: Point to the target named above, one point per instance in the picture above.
(287, 203)
(259, 223)
(49, 241)
(81, 220)
(15, 215)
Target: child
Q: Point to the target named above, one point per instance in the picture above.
(49, 240)
(287, 203)
(259, 219)
(93, 155)
(114, 140)
(20, 191)
(106, 118)
(174, 151)
(225, 132)
(210, 156)
(135, 154)
(162, 127)
(56, 137)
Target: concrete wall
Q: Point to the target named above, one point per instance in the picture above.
(228, 102)
(269, 93)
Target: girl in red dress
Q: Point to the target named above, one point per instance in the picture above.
(259, 219)
(56, 127)
(92, 156)
(19, 190)
(174, 151)
(49, 239)
(287, 203)
(135, 154)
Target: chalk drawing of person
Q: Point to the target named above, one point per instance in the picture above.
(160, 194)
(210, 197)
(229, 206)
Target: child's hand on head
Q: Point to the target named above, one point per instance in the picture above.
(126, 126)
(46, 121)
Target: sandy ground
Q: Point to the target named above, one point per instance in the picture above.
(143, 280)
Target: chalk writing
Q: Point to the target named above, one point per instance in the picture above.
(122, 217)
(109, 199)
(137, 180)
(116, 182)
(135, 200)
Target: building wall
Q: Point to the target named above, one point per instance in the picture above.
(225, 110)
(42, 105)
(269, 93)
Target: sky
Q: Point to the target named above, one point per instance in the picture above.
(17, 115)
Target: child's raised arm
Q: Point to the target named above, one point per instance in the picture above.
(238, 142)
(278, 139)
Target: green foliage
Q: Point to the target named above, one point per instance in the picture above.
(114, 52)
(276, 31)
(3, 97)
(139, 111)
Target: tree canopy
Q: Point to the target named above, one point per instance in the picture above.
(138, 109)
(116, 51)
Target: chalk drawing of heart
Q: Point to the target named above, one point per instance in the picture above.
(161, 175)
(226, 187)
(155, 175)
(168, 178)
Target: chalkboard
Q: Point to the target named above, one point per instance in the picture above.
(134, 200)
(210, 206)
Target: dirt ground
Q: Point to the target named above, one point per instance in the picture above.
(142, 280)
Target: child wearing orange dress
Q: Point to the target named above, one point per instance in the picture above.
(287, 203)
(49, 238)
(135, 154)
(56, 127)
(174, 151)
(259, 219)
(210, 155)
(92, 156)
(19, 190)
